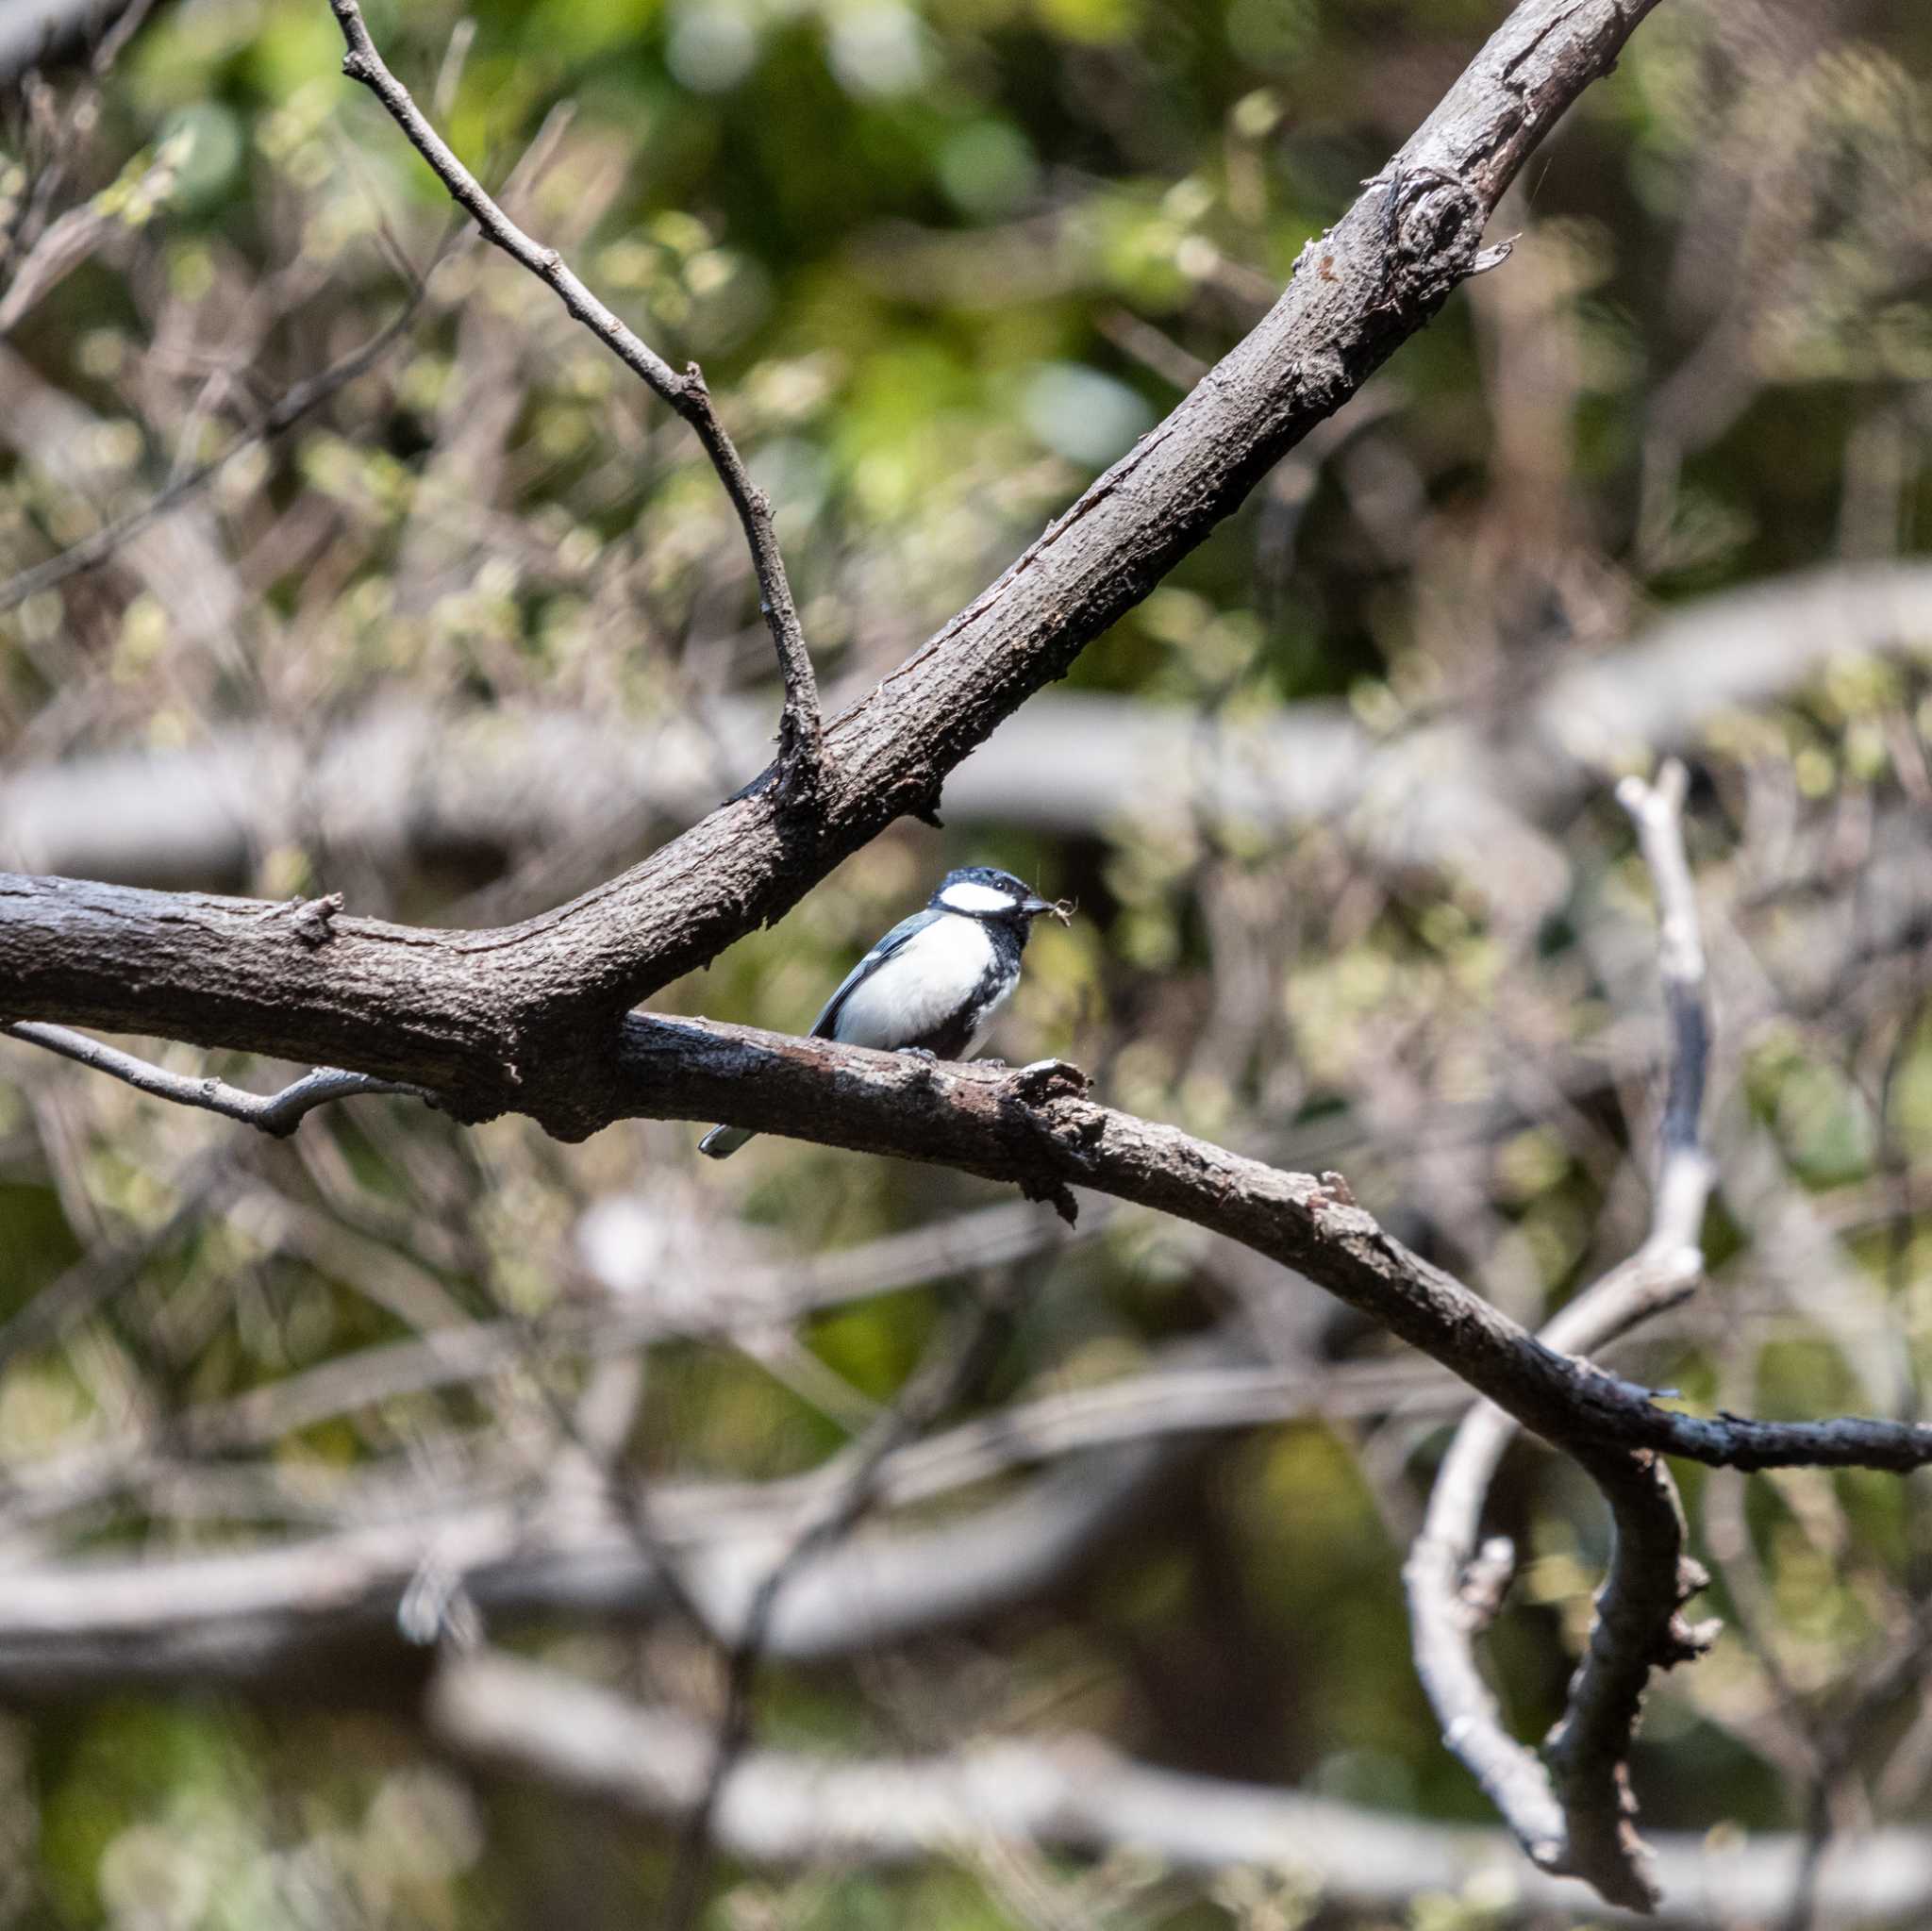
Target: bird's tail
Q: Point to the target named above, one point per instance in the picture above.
(722, 1141)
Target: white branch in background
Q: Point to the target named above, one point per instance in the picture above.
(1077, 1795)
(253, 1616)
(402, 782)
(1579, 1819)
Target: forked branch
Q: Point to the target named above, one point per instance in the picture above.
(1573, 1811)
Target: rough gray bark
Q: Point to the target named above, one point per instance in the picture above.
(143, 959)
(518, 1018)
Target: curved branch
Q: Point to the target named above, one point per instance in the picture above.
(1577, 1815)
(278, 1113)
(801, 731)
(232, 972)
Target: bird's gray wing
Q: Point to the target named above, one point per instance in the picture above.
(822, 1026)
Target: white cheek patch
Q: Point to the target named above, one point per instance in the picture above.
(968, 897)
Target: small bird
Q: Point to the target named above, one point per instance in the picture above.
(933, 983)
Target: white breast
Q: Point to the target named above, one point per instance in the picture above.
(919, 986)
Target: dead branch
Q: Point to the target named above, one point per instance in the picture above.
(1577, 1814)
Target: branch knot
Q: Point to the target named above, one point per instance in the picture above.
(312, 917)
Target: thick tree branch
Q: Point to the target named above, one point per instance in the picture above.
(801, 731)
(518, 1017)
(232, 972)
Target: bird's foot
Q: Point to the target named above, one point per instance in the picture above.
(925, 1053)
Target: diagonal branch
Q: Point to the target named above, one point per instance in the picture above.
(801, 731)
(519, 1017)
(1575, 1813)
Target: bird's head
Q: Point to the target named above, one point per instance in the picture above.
(996, 897)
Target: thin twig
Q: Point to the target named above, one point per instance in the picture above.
(1574, 1814)
(800, 730)
(287, 411)
(278, 1113)
(949, 1378)
(201, 1186)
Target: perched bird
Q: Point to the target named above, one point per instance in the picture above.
(932, 984)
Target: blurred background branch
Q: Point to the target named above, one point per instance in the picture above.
(1120, 1640)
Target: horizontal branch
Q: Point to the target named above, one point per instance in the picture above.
(259, 1618)
(1075, 1794)
(407, 785)
(1036, 1127)
(234, 973)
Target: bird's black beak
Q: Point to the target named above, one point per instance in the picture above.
(1034, 907)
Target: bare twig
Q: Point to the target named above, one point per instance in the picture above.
(1574, 1816)
(65, 244)
(287, 411)
(801, 744)
(1348, 307)
(278, 1114)
(956, 1371)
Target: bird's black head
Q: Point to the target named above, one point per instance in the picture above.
(992, 896)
